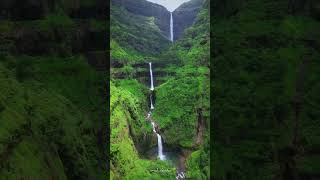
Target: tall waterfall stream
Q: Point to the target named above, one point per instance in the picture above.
(160, 146)
(180, 174)
(171, 27)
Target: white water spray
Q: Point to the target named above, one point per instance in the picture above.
(151, 76)
(180, 175)
(151, 103)
(171, 27)
(160, 153)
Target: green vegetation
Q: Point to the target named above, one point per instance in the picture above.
(44, 129)
(51, 101)
(134, 37)
(181, 95)
(265, 105)
(127, 115)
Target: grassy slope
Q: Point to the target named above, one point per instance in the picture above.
(259, 53)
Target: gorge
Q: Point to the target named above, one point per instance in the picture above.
(155, 93)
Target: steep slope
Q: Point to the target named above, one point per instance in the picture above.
(265, 99)
(135, 39)
(148, 9)
(44, 134)
(182, 102)
(52, 101)
(126, 120)
(181, 95)
(135, 32)
(184, 16)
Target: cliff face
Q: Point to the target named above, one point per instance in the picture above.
(184, 16)
(146, 8)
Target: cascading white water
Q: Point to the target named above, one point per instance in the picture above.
(171, 27)
(160, 153)
(180, 175)
(153, 127)
(151, 103)
(151, 76)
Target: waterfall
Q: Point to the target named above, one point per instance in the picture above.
(160, 153)
(151, 103)
(151, 76)
(161, 156)
(171, 27)
(153, 127)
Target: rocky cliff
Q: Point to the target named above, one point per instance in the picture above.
(184, 16)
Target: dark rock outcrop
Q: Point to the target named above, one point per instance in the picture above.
(184, 16)
(146, 8)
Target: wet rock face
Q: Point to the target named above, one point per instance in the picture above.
(146, 8)
(184, 16)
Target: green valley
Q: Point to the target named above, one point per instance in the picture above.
(142, 53)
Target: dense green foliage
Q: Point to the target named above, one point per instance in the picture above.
(181, 95)
(127, 117)
(42, 126)
(183, 105)
(265, 101)
(51, 101)
(178, 102)
(134, 36)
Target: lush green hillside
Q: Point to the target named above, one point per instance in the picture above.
(52, 102)
(265, 90)
(134, 37)
(183, 102)
(181, 95)
(127, 121)
(48, 120)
